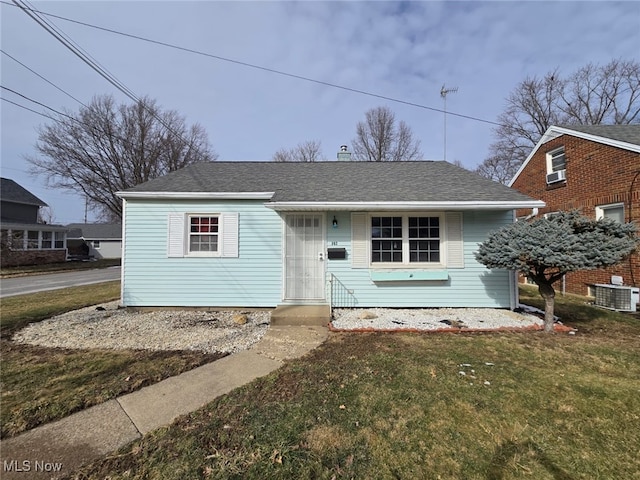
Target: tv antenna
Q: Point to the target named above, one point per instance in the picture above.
(443, 93)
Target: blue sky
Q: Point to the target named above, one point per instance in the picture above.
(402, 50)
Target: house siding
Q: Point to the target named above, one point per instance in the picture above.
(471, 286)
(597, 174)
(17, 212)
(151, 278)
(108, 249)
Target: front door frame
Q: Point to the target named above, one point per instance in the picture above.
(319, 300)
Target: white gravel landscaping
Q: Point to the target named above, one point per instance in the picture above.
(431, 319)
(109, 327)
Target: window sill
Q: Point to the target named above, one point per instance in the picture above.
(408, 275)
(202, 255)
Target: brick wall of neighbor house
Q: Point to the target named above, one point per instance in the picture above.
(32, 257)
(597, 175)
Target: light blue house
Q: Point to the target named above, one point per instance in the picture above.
(346, 234)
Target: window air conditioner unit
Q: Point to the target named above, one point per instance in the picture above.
(558, 176)
(614, 297)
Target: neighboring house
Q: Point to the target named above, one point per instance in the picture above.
(592, 168)
(349, 234)
(96, 240)
(24, 240)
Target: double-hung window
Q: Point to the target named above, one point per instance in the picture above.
(58, 240)
(203, 234)
(386, 239)
(406, 239)
(557, 160)
(424, 239)
(47, 240)
(33, 239)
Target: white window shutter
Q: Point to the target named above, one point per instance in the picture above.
(455, 243)
(175, 243)
(359, 244)
(229, 234)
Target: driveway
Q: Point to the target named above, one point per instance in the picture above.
(54, 281)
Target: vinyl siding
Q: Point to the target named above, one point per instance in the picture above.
(108, 249)
(471, 286)
(152, 278)
(254, 278)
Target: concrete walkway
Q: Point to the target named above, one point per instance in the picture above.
(58, 448)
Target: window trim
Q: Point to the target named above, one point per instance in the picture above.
(406, 264)
(219, 234)
(549, 157)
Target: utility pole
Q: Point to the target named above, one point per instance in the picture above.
(443, 93)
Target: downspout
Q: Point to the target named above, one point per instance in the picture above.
(633, 279)
(534, 213)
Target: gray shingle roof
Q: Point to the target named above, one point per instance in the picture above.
(621, 133)
(424, 181)
(10, 191)
(95, 231)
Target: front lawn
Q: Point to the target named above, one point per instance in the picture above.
(39, 385)
(423, 406)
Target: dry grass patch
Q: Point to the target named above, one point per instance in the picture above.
(396, 406)
(40, 384)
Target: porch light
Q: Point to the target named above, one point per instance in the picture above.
(335, 222)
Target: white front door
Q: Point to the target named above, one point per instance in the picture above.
(304, 257)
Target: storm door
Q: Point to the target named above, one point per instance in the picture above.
(304, 257)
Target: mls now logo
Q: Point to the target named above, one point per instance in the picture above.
(29, 466)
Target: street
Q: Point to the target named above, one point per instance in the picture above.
(53, 281)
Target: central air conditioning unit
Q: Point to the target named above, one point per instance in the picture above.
(615, 297)
(558, 176)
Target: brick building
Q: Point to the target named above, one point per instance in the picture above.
(596, 170)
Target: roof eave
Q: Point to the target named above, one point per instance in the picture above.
(196, 195)
(403, 206)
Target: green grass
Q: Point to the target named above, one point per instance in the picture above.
(39, 385)
(393, 406)
(25, 270)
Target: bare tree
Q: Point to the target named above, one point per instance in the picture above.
(380, 139)
(106, 147)
(46, 215)
(308, 151)
(594, 94)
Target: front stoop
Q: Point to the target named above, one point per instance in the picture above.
(301, 315)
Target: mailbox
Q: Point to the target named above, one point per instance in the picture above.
(337, 253)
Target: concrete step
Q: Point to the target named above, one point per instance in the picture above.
(301, 315)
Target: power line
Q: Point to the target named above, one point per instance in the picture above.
(86, 58)
(267, 69)
(43, 78)
(76, 50)
(26, 108)
(124, 140)
(36, 102)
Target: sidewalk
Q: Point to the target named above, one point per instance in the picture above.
(58, 448)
